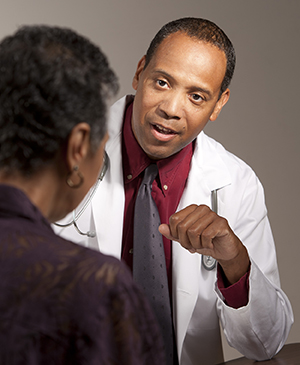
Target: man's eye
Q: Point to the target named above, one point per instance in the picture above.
(197, 97)
(161, 83)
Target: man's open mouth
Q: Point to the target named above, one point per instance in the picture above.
(163, 130)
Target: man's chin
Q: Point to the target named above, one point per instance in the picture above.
(159, 153)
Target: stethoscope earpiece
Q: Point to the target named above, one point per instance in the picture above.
(91, 234)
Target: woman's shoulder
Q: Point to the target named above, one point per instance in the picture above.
(91, 267)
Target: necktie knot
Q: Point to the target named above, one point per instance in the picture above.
(150, 174)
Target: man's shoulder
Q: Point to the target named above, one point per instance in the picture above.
(219, 167)
(116, 115)
(213, 149)
(117, 110)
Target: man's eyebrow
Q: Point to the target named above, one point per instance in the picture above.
(202, 90)
(162, 72)
(194, 88)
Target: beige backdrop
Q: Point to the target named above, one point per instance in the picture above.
(260, 124)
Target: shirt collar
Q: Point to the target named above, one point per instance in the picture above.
(135, 159)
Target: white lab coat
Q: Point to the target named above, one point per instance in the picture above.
(257, 330)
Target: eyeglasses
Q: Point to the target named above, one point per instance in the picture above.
(88, 199)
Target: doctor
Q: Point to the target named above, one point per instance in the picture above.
(182, 84)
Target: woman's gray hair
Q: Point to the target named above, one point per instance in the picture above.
(51, 79)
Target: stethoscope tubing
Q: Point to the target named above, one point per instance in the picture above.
(76, 216)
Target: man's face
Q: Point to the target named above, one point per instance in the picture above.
(177, 94)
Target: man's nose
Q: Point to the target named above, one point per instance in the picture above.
(172, 105)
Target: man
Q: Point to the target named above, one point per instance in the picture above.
(181, 84)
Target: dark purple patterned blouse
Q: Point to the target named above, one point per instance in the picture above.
(61, 303)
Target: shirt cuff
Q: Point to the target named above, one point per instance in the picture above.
(235, 295)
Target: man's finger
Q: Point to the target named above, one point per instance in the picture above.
(164, 229)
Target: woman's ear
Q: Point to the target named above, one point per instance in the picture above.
(139, 69)
(78, 145)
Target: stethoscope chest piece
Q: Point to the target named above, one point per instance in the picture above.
(208, 262)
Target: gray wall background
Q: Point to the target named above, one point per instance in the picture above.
(260, 123)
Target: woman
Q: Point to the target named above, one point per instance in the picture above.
(60, 303)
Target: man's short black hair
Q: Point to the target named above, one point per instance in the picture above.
(203, 30)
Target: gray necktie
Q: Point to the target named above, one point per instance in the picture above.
(149, 264)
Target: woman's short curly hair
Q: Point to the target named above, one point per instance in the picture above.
(51, 79)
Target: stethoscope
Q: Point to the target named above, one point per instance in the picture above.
(208, 262)
(76, 216)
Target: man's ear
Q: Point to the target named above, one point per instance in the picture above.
(139, 69)
(78, 145)
(219, 105)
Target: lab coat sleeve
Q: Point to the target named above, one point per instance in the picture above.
(259, 329)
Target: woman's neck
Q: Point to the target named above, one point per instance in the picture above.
(45, 190)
